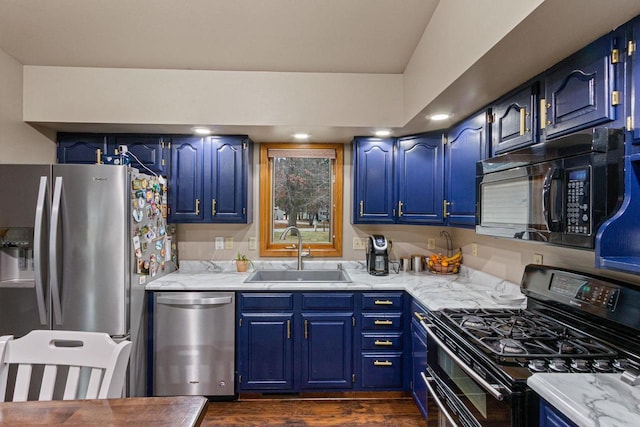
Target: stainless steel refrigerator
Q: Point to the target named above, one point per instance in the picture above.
(78, 243)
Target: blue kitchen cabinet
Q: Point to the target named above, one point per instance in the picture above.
(327, 351)
(551, 417)
(186, 180)
(81, 148)
(515, 119)
(382, 355)
(148, 153)
(585, 89)
(265, 341)
(209, 180)
(418, 358)
(398, 181)
(419, 173)
(633, 82)
(466, 144)
(373, 186)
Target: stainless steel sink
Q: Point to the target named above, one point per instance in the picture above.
(298, 276)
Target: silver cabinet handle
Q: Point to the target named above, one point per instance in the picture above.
(55, 255)
(194, 301)
(433, 393)
(490, 388)
(38, 247)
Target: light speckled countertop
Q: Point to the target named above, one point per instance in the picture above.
(601, 400)
(468, 289)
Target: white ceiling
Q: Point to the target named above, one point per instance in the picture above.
(345, 36)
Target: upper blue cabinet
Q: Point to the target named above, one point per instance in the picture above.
(373, 165)
(466, 144)
(398, 181)
(81, 148)
(209, 179)
(147, 153)
(585, 89)
(633, 81)
(515, 119)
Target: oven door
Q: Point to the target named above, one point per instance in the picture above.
(465, 398)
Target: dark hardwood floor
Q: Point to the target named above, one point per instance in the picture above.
(344, 412)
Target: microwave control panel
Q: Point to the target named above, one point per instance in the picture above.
(578, 209)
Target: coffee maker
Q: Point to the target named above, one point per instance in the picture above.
(378, 255)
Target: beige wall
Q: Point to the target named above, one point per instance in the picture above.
(19, 142)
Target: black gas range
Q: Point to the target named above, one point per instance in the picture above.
(479, 359)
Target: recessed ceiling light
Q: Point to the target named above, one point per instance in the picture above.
(382, 133)
(201, 131)
(440, 116)
(301, 135)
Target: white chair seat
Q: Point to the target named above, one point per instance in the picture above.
(64, 352)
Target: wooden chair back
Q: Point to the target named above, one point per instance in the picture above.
(62, 353)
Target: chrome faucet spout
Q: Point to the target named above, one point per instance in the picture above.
(284, 235)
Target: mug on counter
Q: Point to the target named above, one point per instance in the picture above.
(406, 264)
(417, 262)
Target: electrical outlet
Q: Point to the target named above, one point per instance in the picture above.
(474, 249)
(228, 243)
(219, 242)
(359, 244)
(431, 243)
(252, 243)
(537, 258)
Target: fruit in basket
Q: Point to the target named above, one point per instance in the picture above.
(439, 263)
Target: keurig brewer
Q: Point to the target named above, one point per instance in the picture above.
(377, 256)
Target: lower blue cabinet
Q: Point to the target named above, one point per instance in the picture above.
(384, 370)
(551, 417)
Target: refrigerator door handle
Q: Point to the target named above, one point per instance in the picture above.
(54, 253)
(38, 248)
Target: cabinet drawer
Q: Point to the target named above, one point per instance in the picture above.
(382, 321)
(382, 370)
(374, 341)
(266, 301)
(328, 301)
(382, 301)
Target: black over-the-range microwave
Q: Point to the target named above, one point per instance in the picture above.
(558, 191)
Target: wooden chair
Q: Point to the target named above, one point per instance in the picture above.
(63, 352)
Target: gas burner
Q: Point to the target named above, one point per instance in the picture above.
(511, 346)
(566, 347)
(538, 365)
(580, 365)
(472, 321)
(558, 365)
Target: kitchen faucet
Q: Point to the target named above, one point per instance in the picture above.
(300, 254)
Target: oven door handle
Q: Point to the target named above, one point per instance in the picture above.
(492, 389)
(440, 404)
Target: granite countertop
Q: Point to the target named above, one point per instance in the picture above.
(602, 400)
(468, 289)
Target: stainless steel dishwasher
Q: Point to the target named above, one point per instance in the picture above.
(194, 343)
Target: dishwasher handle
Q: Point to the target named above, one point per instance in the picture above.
(174, 300)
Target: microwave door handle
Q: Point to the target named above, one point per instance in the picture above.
(434, 395)
(548, 208)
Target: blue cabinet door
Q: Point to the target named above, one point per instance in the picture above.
(551, 417)
(226, 179)
(81, 148)
(186, 182)
(581, 90)
(419, 366)
(327, 351)
(419, 172)
(147, 152)
(515, 123)
(373, 198)
(633, 73)
(265, 352)
(466, 145)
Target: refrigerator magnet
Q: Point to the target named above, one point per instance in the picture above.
(141, 202)
(159, 244)
(136, 246)
(137, 215)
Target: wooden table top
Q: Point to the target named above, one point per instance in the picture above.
(136, 411)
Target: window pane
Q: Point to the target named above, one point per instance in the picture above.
(301, 189)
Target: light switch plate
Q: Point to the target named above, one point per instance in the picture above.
(431, 243)
(252, 243)
(474, 249)
(219, 241)
(537, 258)
(359, 244)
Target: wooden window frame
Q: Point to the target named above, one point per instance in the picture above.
(269, 249)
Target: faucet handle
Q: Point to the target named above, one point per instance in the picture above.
(306, 254)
